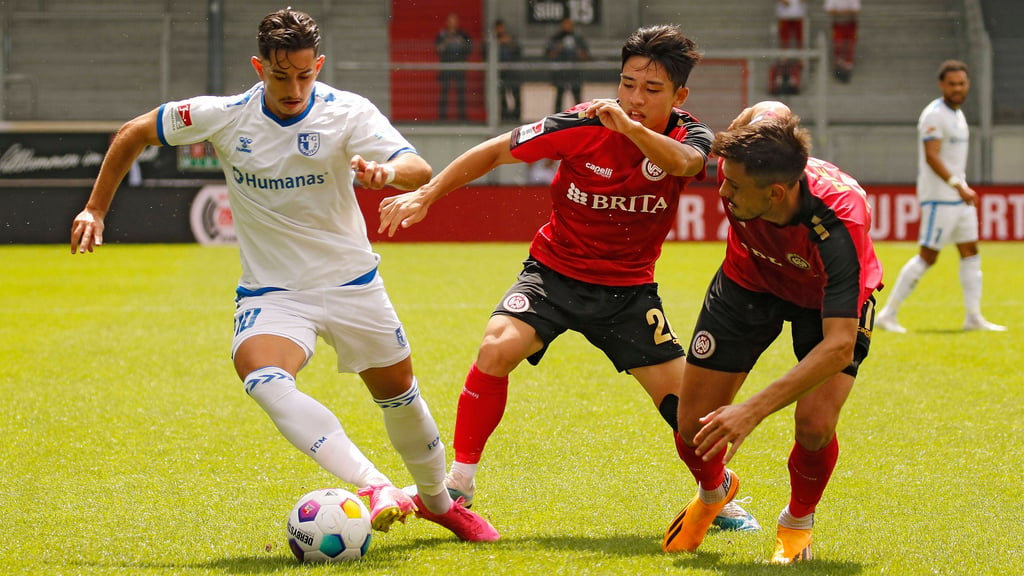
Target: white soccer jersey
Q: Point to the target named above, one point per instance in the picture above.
(290, 181)
(940, 122)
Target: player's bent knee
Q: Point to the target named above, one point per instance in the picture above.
(498, 358)
(814, 437)
(267, 385)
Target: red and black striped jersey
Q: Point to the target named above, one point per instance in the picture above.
(611, 207)
(823, 260)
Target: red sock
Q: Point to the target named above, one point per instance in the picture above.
(809, 473)
(481, 406)
(710, 474)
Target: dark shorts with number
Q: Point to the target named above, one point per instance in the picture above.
(736, 325)
(627, 323)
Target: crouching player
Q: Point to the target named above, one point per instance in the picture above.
(799, 251)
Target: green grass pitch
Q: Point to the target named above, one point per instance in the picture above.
(129, 446)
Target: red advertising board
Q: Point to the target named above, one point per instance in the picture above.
(513, 214)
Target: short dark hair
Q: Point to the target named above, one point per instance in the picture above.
(952, 66)
(288, 30)
(666, 46)
(771, 150)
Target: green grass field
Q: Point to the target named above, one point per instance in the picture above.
(129, 446)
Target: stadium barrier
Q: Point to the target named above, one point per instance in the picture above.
(178, 195)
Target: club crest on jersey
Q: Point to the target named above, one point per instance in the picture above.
(309, 143)
(703, 345)
(652, 171)
(798, 261)
(516, 302)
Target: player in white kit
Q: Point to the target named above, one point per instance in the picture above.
(290, 148)
(949, 213)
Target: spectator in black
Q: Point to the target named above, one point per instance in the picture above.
(453, 45)
(509, 81)
(567, 46)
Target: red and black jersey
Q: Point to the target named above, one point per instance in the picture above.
(611, 207)
(823, 260)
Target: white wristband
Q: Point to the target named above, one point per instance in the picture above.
(391, 173)
(954, 181)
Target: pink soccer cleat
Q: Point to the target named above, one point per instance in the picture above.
(387, 504)
(467, 525)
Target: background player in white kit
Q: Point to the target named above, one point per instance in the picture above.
(290, 147)
(949, 214)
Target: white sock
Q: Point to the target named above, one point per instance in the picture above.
(909, 276)
(970, 281)
(787, 520)
(464, 471)
(414, 435)
(310, 426)
(716, 494)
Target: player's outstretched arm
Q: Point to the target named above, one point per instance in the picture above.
(128, 143)
(404, 210)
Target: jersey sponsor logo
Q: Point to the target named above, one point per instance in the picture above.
(516, 302)
(645, 203)
(761, 255)
(606, 172)
(182, 117)
(244, 144)
(309, 143)
(652, 171)
(283, 183)
(529, 131)
(703, 345)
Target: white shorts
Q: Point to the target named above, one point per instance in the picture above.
(359, 322)
(944, 223)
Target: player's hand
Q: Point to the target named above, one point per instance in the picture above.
(401, 211)
(968, 194)
(371, 174)
(724, 429)
(611, 114)
(86, 231)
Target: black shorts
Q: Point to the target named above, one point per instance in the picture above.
(627, 323)
(736, 325)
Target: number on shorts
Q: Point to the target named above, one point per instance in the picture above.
(662, 331)
(246, 320)
(867, 317)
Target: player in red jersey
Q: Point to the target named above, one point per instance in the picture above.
(623, 164)
(799, 251)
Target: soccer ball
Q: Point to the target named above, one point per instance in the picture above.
(329, 525)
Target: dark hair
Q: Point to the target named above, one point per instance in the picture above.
(952, 66)
(772, 150)
(666, 46)
(288, 30)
